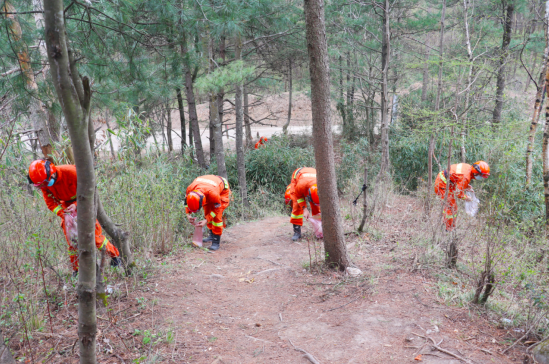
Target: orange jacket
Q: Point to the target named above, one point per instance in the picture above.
(302, 180)
(260, 142)
(63, 193)
(212, 187)
(460, 176)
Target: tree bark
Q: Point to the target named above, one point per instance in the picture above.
(191, 102)
(468, 85)
(74, 95)
(385, 52)
(439, 92)
(540, 94)
(545, 145)
(216, 123)
(285, 127)
(169, 127)
(500, 83)
(182, 119)
(37, 113)
(120, 238)
(240, 162)
(249, 139)
(334, 240)
(365, 200)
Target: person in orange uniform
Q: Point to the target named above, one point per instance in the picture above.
(460, 176)
(58, 185)
(261, 142)
(288, 194)
(303, 188)
(213, 194)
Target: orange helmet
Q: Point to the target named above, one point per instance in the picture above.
(263, 140)
(287, 197)
(194, 201)
(482, 168)
(40, 172)
(313, 194)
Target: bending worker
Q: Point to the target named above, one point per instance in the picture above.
(460, 176)
(211, 193)
(261, 142)
(303, 188)
(58, 185)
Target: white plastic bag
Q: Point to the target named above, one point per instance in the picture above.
(71, 228)
(197, 236)
(471, 207)
(316, 222)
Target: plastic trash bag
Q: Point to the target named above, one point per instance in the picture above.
(72, 228)
(471, 207)
(197, 236)
(316, 222)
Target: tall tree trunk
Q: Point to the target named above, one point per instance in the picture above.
(425, 85)
(216, 122)
(545, 145)
(169, 127)
(191, 103)
(385, 52)
(468, 84)
(439, 92)
(181, 109)
(249, 138)
(334, 240)
(74, 95)
(38, 116)
(365, 198)
(500, 83)
(240, 162)
(285, 127)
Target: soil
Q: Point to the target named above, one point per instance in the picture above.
(262, 299)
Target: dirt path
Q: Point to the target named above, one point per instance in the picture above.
(245, 303)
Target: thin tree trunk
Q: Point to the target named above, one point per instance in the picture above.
(113, 154)
(439, 92)
(193, 116)
(74, 95)
(285, 127)
(500, 83)
(249, 139)
(216, 123)
(385, 52)
(365, 200)
(540, 94)
(334, 240)
(425, 84)
(182, 119)
(240, 162)
(36, 110)
(534, 58)
(468, 84)
(169, 127)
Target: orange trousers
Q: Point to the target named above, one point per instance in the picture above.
(100, 242)
(450, 207)
(297, 213)
(214, 216)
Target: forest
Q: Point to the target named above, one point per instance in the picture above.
(274, 181)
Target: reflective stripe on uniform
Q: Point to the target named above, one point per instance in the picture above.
(208, 181)
(212, 214)
(458, 168)
(104, 244)
(297, 216)
(442, 178)
(312, 175)
(225, 182)
(297, 172)
(301, 200)
(218, 224)
(72, 252)
(57, 209)
(450, 216)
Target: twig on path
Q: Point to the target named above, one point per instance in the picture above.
(521, 338)
(280, 316)
(275, 263)
(434, 345)
(311, 358)
(335, 308)
(255, 338)
(270, 270)
(119, 357)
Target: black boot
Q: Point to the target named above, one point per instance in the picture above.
(116, 262)
(297, 233)
(208, 238)
(215, 242)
